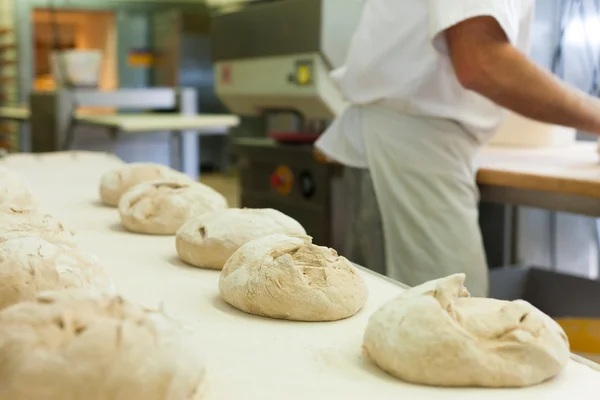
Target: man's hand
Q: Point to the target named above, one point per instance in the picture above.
(485, 62)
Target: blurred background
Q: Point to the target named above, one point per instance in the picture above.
(112, 46)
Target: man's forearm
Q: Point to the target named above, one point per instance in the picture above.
(511, 80)
(486, 62)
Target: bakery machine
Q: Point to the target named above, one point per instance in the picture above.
(274, 59)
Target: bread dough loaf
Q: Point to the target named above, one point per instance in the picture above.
(118, 181)
(290, 278)
(162, 207)
(82, 345)
(14, 190)
(209, 240)
(30, 265)
(17, 222)
(435, 334)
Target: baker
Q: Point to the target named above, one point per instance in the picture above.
(427, 82)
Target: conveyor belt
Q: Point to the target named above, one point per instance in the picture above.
(248, 357)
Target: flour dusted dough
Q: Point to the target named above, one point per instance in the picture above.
(290, 278)
(435, 334)
(118, 181)
(30, 265)
(76, 344)
(162, 207)
(18, 222)
(209, 240)
(14, 189)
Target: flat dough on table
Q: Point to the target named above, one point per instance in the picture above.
(209, 240)
(116, 182)
(17, 222)
(162, 207)
(290, 278)
(15, 190)
(435, 334)
(77, 344)
(30, 265)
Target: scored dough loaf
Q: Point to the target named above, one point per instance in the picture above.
(77, 344)
(119, 180)
(162, 207)
(290, 278)
(17, 222)
(209, 240)
(29, 265)
(435, 334)
(14, 189)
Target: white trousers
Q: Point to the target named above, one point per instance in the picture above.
(424, 183)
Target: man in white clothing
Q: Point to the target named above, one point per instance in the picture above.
(427, 80)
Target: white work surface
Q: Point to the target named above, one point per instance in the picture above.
(156, 122)
(14, 113)
(247, 357)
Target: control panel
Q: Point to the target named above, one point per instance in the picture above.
(284, 182)
(289, 179)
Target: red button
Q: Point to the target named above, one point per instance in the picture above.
(276, 181)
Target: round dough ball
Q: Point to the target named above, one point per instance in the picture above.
(14, 190)
(290, 278)
(77, 344)
(30, 265)
(162, 207)
(116, 182)
(209, 240)
(18, 222)
(435, 334)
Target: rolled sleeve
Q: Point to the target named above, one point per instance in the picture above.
(446, 13)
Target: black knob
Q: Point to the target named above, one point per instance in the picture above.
(307, 184)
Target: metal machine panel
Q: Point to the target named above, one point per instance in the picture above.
(287, 27)
(298, 82)
(278, 56)
(264, 30)
(304, 192)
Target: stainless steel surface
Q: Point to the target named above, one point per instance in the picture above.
(186, 149)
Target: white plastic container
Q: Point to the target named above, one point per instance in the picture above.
(518, 131)
(82, 67)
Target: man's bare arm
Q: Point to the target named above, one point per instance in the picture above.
(485, 62)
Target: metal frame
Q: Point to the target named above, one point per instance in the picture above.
(551, 201)
(512, 197)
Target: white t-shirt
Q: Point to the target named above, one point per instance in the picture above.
(398, 59)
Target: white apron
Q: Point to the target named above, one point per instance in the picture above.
(424, 181)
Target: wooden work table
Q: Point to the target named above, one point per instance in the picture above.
(574, 170)
(561, 179)
(555, 179)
